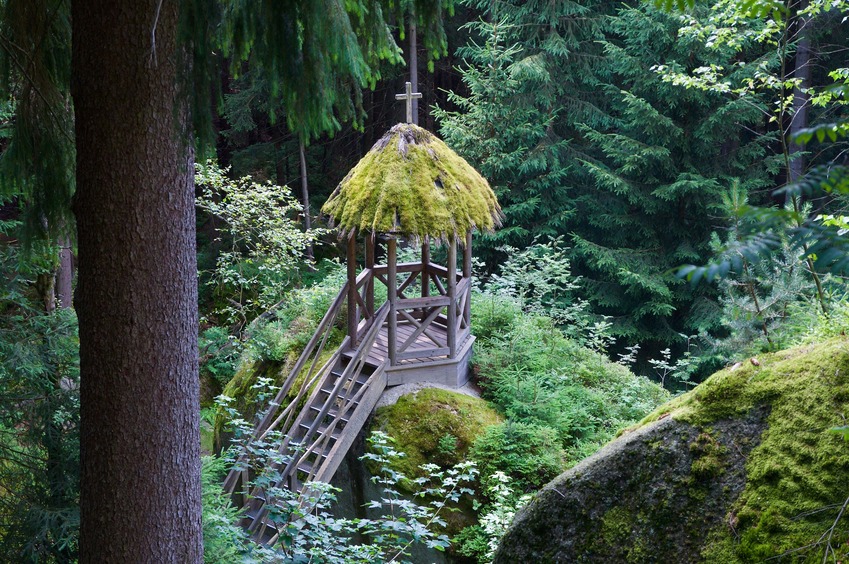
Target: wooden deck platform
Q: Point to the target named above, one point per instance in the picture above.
(427, 367)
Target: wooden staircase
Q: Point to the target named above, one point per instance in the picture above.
(316, 437)
(324, 402)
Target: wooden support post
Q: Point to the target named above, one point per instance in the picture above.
(392, 278)
(467, 273)
(370, 237)
(452, 296)
(353, 317)
(425, 264)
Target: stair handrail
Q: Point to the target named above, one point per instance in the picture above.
(352, 371)
(356, 364)
(321, 333)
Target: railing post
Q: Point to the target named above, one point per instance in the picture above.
(467, 273)
(452, 296)
(353, 317)
(392, 279)
(425, 263)
(369, 290)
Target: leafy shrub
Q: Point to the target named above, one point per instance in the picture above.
(219, 353)
(492, 315)
(310, 533)
(539, 280)
(223, 540)
(537, 376)
(481, 541)
(529, 454)
(262, 247)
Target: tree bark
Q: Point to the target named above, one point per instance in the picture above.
(414, 65)
(137, 287)
(305, 197)
(802, 72)
(65, 274)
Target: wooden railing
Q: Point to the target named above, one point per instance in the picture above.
(342, 399)
(429, 313)
(431, 307)
(309, 357)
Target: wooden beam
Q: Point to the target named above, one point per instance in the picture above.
(452, 297)
(353, 317)
(467, 256)
(415, 323)
(400, 268)
(425, 263)
(369, 289)
(416, 303)
(421, 328)
(467, 275)
(423, 353)
(392, 280)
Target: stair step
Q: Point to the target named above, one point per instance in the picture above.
(323, 427)
(362, 378)
(253, 512)
(331, 413)
(305, 468)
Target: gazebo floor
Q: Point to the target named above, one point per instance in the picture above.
(439, 369)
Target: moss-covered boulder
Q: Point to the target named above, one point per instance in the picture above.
(741, 469)
(434, 425)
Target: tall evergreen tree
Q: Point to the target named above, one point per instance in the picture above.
(654, 176)
(582, 138)
(529, 69)
(132, 98)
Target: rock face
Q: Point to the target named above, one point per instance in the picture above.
(741, 469)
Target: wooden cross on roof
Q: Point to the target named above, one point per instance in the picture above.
(409, 95)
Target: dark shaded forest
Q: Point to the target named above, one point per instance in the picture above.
(672, 181)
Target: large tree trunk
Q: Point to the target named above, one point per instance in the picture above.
(137, 288)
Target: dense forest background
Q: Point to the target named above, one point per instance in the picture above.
(625, 141)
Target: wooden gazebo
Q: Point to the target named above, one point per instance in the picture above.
(409, 186)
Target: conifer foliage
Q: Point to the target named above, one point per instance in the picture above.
(582, 138)
(653, 177)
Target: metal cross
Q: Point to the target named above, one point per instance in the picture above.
(409, 95)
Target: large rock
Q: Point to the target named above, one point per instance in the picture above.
(741, 469)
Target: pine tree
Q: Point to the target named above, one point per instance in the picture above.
(582, 138)
(654, 176)
(529, 69)
(508, 136)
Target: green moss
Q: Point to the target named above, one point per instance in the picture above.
(413, 184)
(708, 457)
(207, 438)
(798, 471)
(617, 527)
(418, 421)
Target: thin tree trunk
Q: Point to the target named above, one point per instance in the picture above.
(799, 121)
(45, 285)
(305, 197)
(65, 274)
(414, 66)
(802, 72)
(137, 287)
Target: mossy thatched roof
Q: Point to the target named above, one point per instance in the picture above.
(412, 184)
